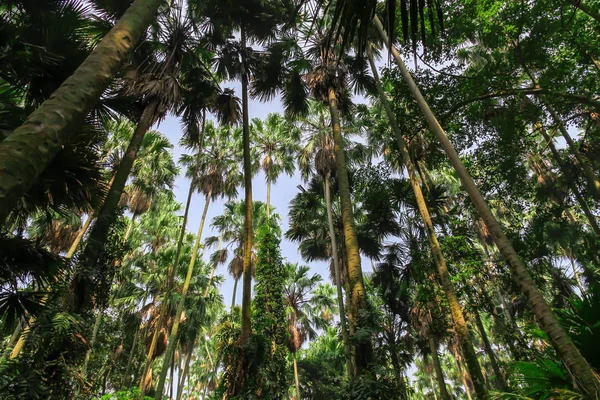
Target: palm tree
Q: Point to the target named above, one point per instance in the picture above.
(310, 306)
(547, 321)
(444, 276)
(37, 141)
(217, 177)
(274, 140)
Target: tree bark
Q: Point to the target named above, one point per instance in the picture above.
(107, 214)
(574, 361)
(247, 279)
(80, 236)
(127, 378)
(268, 195)
(172, 342)
(501, 382)
(234, 293)
(28, 151)
(460, 325)
(14, 338)
(338, 280)
(88, 353)
(363, 351)
(146, 379)
(296, 380)
(439, 374)
(186, 369)
(129, 228)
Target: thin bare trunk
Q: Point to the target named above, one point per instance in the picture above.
(574, 361)
(268, 195)
(296, 380)
(501, 382)
(463, 377)
(186, 368)
(13, 339)
(234, 293)
(439, 374)
(186, 285)
(88, 353)
(80, 236)
(338, 280)
(146, 379)
(127, 378)
(129, 227)
(460, 325)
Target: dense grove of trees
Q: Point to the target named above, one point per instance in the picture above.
(447, 162)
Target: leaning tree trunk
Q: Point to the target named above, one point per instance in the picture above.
(586, 9)
(460, 325)
(490, 353)
(106, 216)
(186, 369)
(80, 235)
(338, 280)
(296, 380)
(146, 379)
(88, 353)
(247, 279)
(363, 351)
(577, 365)
(30, 148)
(127, 378)
(439, 374)
(172, 343)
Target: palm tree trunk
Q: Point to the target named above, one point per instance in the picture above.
(107, 214)
(561, 165)
(13, 339)
(88, 353)
(247, 280)
(268, 206)
(172, 343)
(234, 293)
(127, 378)
(296, 380)
(463, 378)
(26, 152)
(186, 368)
(586, 9)
(460, 325)
(363, 351)
(574, 361)
(171, 378)
(439, 374)
(490, 353)
(129, 227)
(592, 179)
(213, 269)
(146, 379)
(80, 236)
(338, 280)
(22, 339)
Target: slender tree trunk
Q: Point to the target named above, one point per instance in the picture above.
(213, 269)
(574, 361)
(22, 339)
(460, 325)
(586, 9)
(146, 379)
(80, 236)
(268, 195)
(463, 378)
(592, 179)
(490, 353)
(363, 351)
(129, 227)
(13, 339)
(172, 343)
(234, 293)
(88, 353)
(296, 380)
(570, 182)
(171, 378)
(247, 279)
(30, 148)
(439, 374)
(338, 280)
(186, 368)
(107, 214)
(127, 378)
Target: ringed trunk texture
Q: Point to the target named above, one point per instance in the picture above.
(338, 281)
(581, 371)
(363, 351)
(460, 325)
(247, 279)
(27, 151)
(172, 343)
(439, 374)
(106, 216)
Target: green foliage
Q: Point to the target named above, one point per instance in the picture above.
(129, 394)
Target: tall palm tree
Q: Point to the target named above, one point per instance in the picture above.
(546, 319)
(217, 177)
(31, 147)
(274, 140)
(309, 307)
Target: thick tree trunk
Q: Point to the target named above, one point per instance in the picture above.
(172, 343)
(439, 374)
(107, 214)
(296, 380)
(27, 152)
(362, 351)
(460, 325)
(501, 382)
(570, 182)
(592, 179)
(586, 9)
(88, 353)
(574, 361)
(338, 280)
(247, 279)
